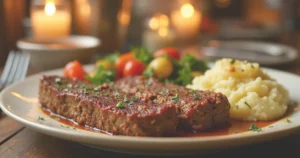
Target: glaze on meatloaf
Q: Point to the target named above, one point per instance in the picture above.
(196, 110)
(135, 106)
(106, 108)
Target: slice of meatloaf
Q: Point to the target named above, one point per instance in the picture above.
(107, 108)
(196, 110)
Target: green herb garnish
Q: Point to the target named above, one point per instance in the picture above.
(288, 121)
(142, 54)
(184, 76)
(236, 107)
(125, 99)
(64, 126)
(130, 104)
(120, 105)
(96, 90)
(232, 61)
(41, 119)
(148, 72)
(112, 57)
(82, 85)
(148, 83)
(196, 96)
(253, 127)
(134, 99)
(175, 98)
(248, 105)
(101, 76)
(58, 81)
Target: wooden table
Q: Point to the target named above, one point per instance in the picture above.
(19, 141)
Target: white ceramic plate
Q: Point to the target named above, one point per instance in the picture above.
(19, 101)
(264, 53)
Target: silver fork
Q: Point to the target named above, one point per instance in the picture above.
(15, 68)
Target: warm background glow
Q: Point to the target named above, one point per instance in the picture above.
(50, 8)
(187, 10)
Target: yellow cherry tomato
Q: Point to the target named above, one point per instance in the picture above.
(106, 64)
(196, 73)
(162, 67)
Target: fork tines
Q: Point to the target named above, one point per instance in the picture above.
(15, 68)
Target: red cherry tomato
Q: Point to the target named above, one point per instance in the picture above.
(133, 68)
(74, 69)
(170, 51)
(121, 61)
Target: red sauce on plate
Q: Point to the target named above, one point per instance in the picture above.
(235, 127)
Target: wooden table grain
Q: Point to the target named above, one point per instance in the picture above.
(19, 141)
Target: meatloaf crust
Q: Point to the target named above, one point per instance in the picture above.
(196, 110)
(107, 108)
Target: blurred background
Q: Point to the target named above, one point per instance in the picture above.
(120, 24)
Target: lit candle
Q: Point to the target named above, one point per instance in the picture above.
(159, 35)
(186, 21)
(50, 22)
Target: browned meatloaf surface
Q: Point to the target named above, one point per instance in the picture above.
(95, 106)
(135, 106)
(196, 110)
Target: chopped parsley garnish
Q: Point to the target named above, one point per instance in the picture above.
(86, 93)
(134, 99)
(236, 107)
(95, 95)
(148, 72)
(165, 91)
(288, 120)
(65, 126)
(96, 90)
(248, 105)
(192, 91)
(106, 94)
(175, 98)
(120, 105)
(58, 81)
(148, 83)
(130, 104)
(253, 127)
(116, 94)
(125, 99)
(232, 61)
(82, 85)
(196, 96)
(88, 88)
(41, 119)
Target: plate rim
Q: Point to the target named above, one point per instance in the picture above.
(142, 140)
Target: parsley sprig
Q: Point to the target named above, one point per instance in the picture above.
(254, 128)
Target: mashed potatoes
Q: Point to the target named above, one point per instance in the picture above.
(253, 95)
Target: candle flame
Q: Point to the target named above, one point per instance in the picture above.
(50, 8)
(187, 10)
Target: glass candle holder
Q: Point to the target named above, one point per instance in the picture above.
(50, 18)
